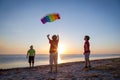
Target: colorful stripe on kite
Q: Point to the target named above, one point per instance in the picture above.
(50, 18)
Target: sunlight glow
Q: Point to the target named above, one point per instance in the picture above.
(61, 49)
(59, 59)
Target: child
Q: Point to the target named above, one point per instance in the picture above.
(53, 50)
(31, 54)
(87, 51)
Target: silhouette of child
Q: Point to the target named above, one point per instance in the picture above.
(87, 51)
(31, 55)
(53, 51)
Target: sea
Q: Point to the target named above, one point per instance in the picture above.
(20, 60)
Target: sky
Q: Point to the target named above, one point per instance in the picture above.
(20, 25)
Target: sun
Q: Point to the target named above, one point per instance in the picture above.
(61, 49)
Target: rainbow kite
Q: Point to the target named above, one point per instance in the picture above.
(50, 18)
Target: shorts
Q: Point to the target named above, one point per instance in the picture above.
(53, 58)
(87, 56)
(31, 59)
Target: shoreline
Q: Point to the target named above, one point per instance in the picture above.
(108, 69)
(17, 61)
(47, 65)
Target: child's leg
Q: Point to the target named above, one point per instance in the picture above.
(89, 63)
(85, 61)
(51, 68)
(33, 62)
(51, 62)
(56, 67)
(30, 64)
(29, 60)
(55, 61)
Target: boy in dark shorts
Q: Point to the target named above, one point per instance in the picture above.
(53, 51)
(87, 51)
(31, 55)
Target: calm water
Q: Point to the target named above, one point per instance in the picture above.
(13, 61)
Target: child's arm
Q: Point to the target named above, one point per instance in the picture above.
(48, 37)
(58, 37)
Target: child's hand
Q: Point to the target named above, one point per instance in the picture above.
(83, 53)
(48, 35)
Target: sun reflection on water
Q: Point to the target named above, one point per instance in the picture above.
(59, 59)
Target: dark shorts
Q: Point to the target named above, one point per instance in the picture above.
(31, 59)
(87, 56)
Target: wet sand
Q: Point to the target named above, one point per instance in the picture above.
(103, 69)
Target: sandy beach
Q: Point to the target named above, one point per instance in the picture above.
(103, 69)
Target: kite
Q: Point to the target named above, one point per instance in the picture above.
(50, 18)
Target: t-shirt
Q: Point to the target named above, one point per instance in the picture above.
(31, 52)
(86, 47)
(53, 46)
